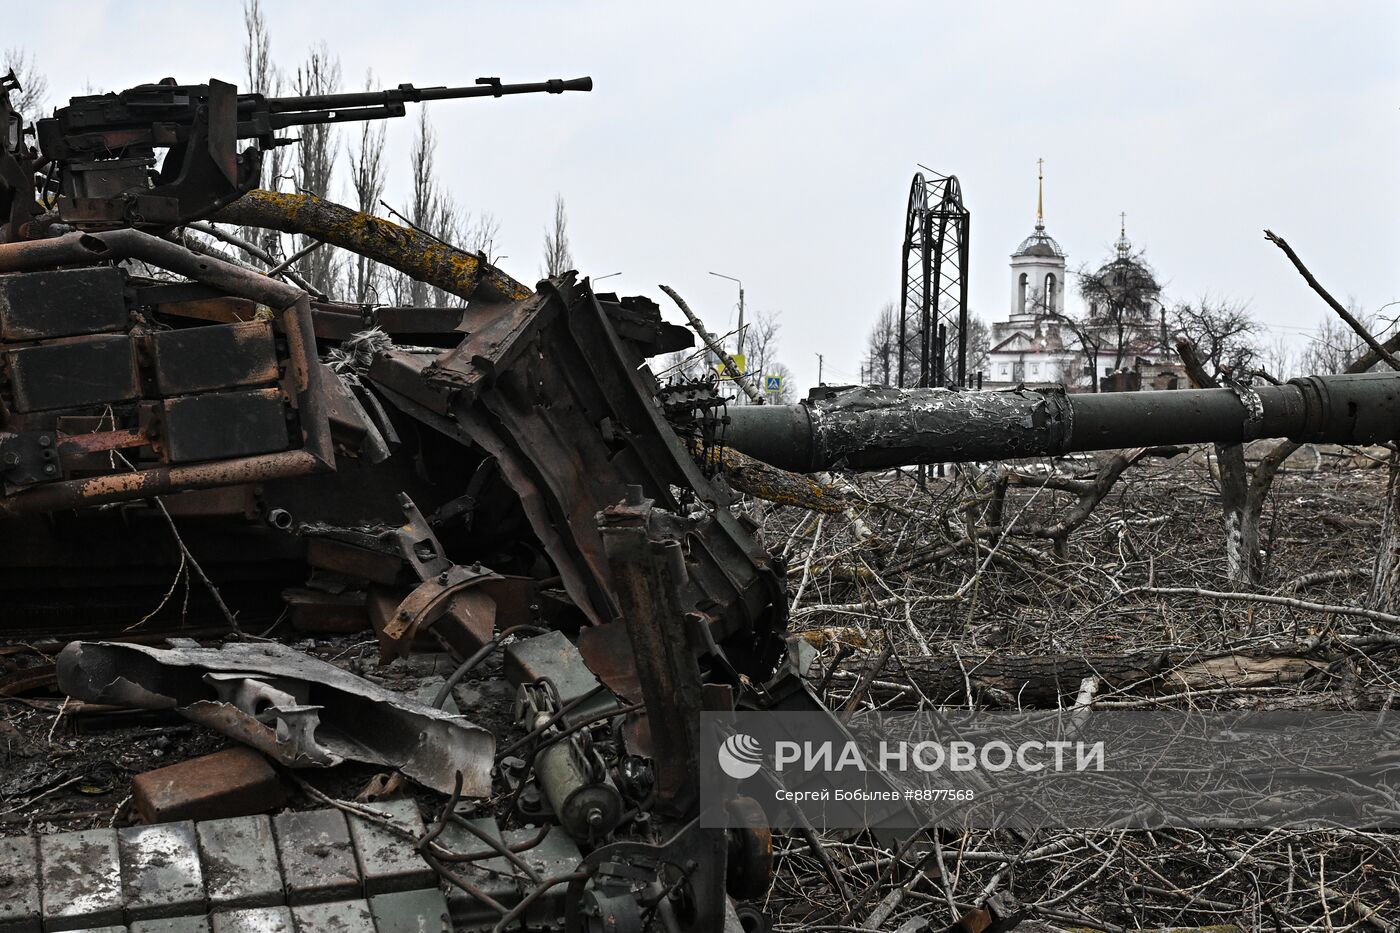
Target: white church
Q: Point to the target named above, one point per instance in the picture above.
(1040, 345)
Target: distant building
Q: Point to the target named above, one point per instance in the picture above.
(1039, 344)
(1124, 298)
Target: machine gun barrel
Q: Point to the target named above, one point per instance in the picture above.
(373, 105)
(873, 428)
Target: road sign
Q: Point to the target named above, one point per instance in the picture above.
(739, 363)
(772, 383)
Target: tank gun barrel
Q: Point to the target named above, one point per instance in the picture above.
(874, 428)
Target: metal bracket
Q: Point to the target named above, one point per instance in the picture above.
(29, 458)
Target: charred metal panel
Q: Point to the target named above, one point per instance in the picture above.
(297, 709)
(61, 303)
(225, 424)
(223, 356)
(73, 374)
(601, 433)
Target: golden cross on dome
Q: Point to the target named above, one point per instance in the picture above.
(1040, 193)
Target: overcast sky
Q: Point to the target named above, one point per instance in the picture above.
(775, 141)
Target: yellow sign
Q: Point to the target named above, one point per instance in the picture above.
(739, 362)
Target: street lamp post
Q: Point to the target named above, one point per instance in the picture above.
(739, 340)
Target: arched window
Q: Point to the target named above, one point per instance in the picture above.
(1050, 292)
(1021, 293)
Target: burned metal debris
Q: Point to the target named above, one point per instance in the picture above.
(297, 710)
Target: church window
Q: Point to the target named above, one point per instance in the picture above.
(1050, 292)
(1021, 294)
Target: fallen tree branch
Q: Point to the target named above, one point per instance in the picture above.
(1289, 601)
(1052, 681)
(730, 367)
(1332, 303)
(252, 249)
(764, 481)
(1090, 493)
(415, 254)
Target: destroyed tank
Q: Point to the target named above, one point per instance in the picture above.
(445, 476)
(507, 474)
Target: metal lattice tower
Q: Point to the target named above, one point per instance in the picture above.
(933, 283)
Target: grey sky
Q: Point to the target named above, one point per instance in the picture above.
(775, 141)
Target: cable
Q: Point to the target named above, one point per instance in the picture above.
(481, 655)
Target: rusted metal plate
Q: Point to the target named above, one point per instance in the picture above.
(222, 310)
(75, 373)
(607, 650)
(317, 611)
(225, 424)
(497, 337)
(340, 557)
(62, 303)
(223, 356)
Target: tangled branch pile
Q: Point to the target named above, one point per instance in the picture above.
(947, 596)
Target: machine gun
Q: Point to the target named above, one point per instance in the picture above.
(100, 150)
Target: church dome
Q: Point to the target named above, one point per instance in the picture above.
(1128, 272)
(1040, 244)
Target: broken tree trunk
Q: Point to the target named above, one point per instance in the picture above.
(763, 481)
(1242, 496)
(1051, 681)
(1385, 582)
(412, 252)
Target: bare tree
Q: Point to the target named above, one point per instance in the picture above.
(881, 346)
(34, 86)
(447, 224)
(483, 235)
(423, 204)
(1094, 343)
(262, 76)
(367, 179)
(1334, 345)
(557, 258)
(258, 67)
(1120, 298)
(319, 74)
(979, 345)
(1278, 359)
(1225, 336)
(761, 344)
